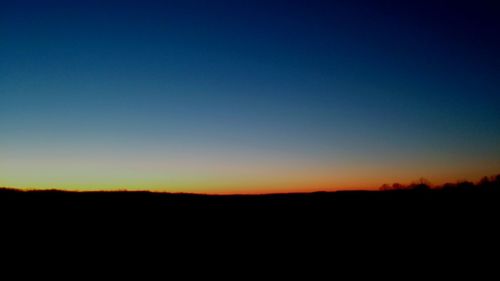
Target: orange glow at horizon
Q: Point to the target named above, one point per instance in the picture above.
(223, 188)
(211, 170)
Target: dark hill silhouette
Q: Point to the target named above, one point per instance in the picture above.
(411, 219)
(418, 197)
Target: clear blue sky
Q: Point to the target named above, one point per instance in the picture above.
(247, 96)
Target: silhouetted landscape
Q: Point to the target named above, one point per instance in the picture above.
(416, 198)
(248, 97)
(417, 215)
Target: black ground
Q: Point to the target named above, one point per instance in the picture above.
(389, 226)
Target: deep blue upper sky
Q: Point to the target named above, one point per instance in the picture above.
(367, 82)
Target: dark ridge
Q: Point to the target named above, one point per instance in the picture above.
(414, 197)
(451, 202)
(447, 215)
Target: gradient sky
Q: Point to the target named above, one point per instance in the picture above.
(247, 96)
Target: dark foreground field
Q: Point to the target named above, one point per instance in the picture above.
(350, 226)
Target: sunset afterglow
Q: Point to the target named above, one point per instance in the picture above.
(246, 97)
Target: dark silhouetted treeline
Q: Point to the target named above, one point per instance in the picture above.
(485, 184)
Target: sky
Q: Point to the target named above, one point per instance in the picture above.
(247, 96)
